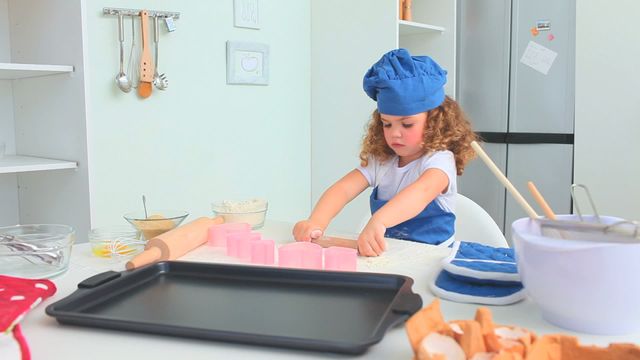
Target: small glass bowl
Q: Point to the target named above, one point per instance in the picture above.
(158, 221)
(252, 212)
(116, 242)
(35, 251)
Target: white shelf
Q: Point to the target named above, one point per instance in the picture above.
(17, 164)
(412, 28)
(13, 71)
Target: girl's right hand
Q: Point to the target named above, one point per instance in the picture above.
(371, 241)
(306, 230)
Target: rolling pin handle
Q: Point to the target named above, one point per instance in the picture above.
(148, 256)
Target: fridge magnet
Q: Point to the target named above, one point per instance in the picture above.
(247, 63)
(550, 37)
(245, 14)
(538, 57)
(543, 25)
(534, 31)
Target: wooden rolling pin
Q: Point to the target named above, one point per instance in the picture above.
(175, 243)
(327, 241)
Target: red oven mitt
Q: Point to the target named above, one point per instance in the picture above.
(17, 297)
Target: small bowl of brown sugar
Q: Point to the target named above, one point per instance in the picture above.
(157, 222)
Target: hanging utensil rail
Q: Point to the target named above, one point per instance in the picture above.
(136, 12)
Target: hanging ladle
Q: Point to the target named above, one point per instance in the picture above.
(121, 79)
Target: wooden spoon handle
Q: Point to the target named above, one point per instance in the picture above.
(541, 201)
(146, 64)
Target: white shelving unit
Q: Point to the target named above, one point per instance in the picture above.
(12, 71)
(43, 117)
(412, 28)
(432, 32)
(17, 164)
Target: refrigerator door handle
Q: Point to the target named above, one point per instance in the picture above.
(525, 138)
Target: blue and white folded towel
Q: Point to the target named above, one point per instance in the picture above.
(482, 274)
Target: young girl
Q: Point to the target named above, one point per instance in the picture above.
(416, 143)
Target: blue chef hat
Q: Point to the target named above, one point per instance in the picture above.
(405, 85)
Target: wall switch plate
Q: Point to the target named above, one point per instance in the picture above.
(247, 63)
(245, 14)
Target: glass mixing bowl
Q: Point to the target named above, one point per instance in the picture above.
(116, 242)
(35, 251)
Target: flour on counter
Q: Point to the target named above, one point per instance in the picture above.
(402, 254)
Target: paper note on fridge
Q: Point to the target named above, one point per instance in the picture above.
(538, 57)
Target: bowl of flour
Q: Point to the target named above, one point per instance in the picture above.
(251, 211)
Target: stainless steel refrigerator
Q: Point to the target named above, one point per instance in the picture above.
(516, 61)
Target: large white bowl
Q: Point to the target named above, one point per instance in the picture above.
(585, 286)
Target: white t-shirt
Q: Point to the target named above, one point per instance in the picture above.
(391, 179)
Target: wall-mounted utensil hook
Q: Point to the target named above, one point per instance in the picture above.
(143, 69)
(136, 12)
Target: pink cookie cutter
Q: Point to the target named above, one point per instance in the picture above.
(340, 258)
(233, 242)
(244, 246)
(217, 234)
(238, 243)
(262, 252)
(302, 254)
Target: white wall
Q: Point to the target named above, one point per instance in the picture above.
(201, 140)
(5, 41)
(340, 107)
(607, 126)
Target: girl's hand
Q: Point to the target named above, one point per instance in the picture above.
(306, 230)
(371, 241)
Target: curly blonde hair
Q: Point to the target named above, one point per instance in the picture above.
(447, 128)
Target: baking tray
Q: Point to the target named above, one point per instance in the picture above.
(343, 312)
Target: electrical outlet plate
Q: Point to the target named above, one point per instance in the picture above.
(247, 63)
(245, 14)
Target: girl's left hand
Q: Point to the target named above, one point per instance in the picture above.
(371, 241)
(307, 230)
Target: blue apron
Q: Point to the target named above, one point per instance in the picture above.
(432, 225)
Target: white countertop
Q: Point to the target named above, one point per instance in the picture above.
(50, 340)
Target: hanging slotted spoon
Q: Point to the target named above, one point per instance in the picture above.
(159, 81)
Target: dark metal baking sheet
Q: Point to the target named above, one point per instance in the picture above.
(343, 312)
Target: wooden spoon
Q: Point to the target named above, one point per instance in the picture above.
(541, 201)
(146, 64)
